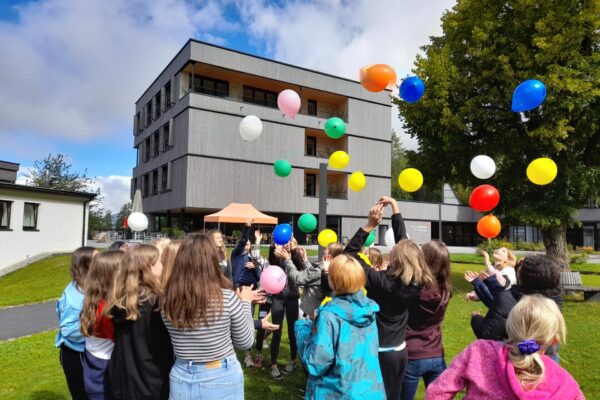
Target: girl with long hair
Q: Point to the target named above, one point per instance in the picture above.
(224, 262)
(98, 330)
(167, 259)
(206, 321)
(517, 369)
(69, 338)
(425, 317)
(394, 290)
(142, 356)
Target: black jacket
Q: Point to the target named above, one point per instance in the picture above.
(142, 358)
(390, 294)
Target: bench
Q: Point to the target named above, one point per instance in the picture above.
(571, 283)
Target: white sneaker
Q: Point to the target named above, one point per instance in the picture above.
(248, 361)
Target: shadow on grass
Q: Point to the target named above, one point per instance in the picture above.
(46, 395)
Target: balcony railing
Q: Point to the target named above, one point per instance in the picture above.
(330, 195)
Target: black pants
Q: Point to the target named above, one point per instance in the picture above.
(72, 364)
(393, 367)
(280, 307)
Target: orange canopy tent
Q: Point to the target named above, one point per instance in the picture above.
(238, 213)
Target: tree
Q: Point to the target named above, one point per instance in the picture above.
(99, 221)
(487, 48)
(123, 213)
(54, 171)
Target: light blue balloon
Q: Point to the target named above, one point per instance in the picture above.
(412, 89)
(528, 95)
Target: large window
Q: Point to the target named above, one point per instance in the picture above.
(166, 137)
(5, 214)
(260, 96)
(146, 185)
(312, 107)
(30, 216)
(311, 146)
(310, 185)
(155, 147)
(154, 182)
(167, 96)
(164, 179)
(213, 87)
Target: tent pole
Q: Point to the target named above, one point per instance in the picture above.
(219, 225)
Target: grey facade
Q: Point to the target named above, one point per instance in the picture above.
(191, 160)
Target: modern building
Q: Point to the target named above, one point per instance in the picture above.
(36, 222)
(191, 160)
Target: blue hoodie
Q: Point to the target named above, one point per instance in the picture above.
(341, 357)
(68, 309)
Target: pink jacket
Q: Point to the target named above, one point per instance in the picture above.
(486, 371)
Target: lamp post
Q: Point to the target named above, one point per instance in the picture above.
(322, 202)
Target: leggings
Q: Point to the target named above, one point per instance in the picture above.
(72, 364)
(393, 367)
(280, 307)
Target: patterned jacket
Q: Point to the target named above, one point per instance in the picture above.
(341, 356)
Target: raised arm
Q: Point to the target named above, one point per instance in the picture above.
(239, 247)
(398, 225)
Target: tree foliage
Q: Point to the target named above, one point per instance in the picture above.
(487, 48)
(54, 171)
(123, 213)
(99, 221)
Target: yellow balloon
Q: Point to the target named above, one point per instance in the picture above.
(339, 159)
(410, 180)
(357, 181)
(542, 171)
(327, 236)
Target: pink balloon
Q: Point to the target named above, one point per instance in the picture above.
(273, 279)
(288, 102)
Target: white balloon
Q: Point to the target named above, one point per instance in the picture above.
(250, 128)
(137, 222)
(389, 238)
(483, 167)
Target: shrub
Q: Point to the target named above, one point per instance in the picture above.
(530, 246)
(578, 258)
(493, 244)
(586, 250)
(176, 233)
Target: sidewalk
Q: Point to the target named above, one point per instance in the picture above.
(26, 320)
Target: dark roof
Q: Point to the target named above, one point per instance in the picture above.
(37, 189)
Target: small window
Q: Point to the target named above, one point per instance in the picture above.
(213, 87)
(30, 216)
(148, 114)
(146, 184)
(310, 185)
(312, 107)
(147, 150)
(167, 96)
(164, 179)
(154, 182)
(156, 145)
(138, 122)
(311, 146)
(166, 139)
(5, 214)
(260, 96)
(157, 104)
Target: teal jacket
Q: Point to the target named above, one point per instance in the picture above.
(68, 309)
(341, 356)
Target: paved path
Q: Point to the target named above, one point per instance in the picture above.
(27, 320)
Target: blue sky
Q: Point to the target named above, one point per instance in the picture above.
(72, 69)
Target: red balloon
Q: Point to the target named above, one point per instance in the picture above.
(484, 198)
(489, 227)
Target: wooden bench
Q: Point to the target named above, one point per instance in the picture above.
(571, 283)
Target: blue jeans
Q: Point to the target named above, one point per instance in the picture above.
(221, 380)
(428, 368)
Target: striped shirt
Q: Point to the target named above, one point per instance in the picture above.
(233, 328)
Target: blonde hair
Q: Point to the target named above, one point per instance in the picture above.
(533, 318)
(375, 258)
(223, 255)
(335, 249)
(167, 259)
(135, 283)
(510, 262)
(160, 244)
(346, 275)
(407, 263)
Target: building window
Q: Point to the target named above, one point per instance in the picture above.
(164, 178)
(133, 186)
(311, 146)
(138, 123)
(166, 139)
(147, 150)
(213, 87)
(312, 107)
(148, 114)
(310, 185)
(157, 104)
(156, 144)
(154, 182)
(5, 214)
(167, 96)
(146, 184)
(260, 96)
(30, 216)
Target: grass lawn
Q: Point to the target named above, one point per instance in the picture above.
(31, 369)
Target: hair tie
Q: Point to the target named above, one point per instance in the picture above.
(528, 346)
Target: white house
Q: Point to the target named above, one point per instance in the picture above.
(36, 222)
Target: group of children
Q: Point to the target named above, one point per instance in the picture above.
(163, 320)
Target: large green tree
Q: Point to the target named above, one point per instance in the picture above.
(55, 172)
(487, 48)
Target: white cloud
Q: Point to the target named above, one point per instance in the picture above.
(115, 191)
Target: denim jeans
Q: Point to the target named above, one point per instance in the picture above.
(221, 380)
(428, 368)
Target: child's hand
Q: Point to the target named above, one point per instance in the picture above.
(375, 216)
(257, 235)
(475, 313)
(471, 296)
(483, 275)
(282, 253)
(470, 276)
(267, 325)
(250, 265)
(302, 253)
(486, 256)
(245, 293)
(259, 296)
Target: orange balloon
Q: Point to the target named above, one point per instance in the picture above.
(378, 77)
(489, 227)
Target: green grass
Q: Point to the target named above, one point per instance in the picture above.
(31, 369)
(42, 280)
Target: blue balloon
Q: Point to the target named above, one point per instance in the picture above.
(282, 234)
(528, 95)
(412, 89)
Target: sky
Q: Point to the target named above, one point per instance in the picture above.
(71, 70)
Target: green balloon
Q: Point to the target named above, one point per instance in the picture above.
(335, 128)
(283, 168)
(370, 239)
(307, 223)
